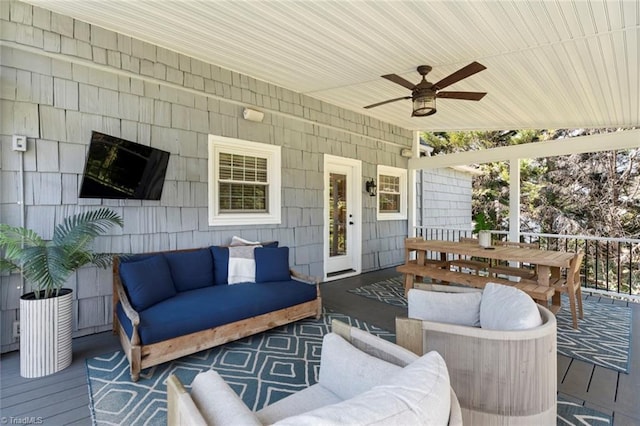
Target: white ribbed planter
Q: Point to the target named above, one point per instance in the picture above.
(45, 334)
(484, 238)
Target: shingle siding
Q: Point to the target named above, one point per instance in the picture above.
(157, 97)
(445, 198)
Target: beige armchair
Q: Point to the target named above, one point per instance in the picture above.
(363, 379)
(500, 377)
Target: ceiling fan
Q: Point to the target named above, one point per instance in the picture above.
(424, 94)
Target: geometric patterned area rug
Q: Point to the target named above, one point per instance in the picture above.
(261, 369)
(603, 337)
(574, 414)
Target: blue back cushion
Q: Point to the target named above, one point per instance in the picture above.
(220, 264)
(147, 281)
(191, 269)
(272, 264)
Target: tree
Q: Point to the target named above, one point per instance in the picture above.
(593, 194)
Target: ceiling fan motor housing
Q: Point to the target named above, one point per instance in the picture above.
(424, 101)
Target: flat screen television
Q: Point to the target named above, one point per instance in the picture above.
(121, 169)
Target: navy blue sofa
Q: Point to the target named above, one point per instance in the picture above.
(171, 304)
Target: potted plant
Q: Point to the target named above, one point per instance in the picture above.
(482, 227)
(45, 313)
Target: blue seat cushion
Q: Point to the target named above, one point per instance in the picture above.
(272, 264)
(191, 269)
(220, 264)
(147, 281)
(207, 307)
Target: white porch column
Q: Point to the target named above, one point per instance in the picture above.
(514, 200)
(412, 188)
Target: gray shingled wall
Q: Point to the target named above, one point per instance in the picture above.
(444, 190)
(62, 78)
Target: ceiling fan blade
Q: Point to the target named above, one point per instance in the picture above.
(468, 96)
(386, 102)
(462, 73)
(399, 80)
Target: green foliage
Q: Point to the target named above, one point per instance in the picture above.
(590, 194)
(482, 223)
(48, 264)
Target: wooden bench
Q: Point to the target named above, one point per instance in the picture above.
(539, 293)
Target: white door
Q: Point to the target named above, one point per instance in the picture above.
(343, 217)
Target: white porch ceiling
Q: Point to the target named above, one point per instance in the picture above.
(550, 64)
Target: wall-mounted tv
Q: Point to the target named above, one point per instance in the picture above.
(121, 169)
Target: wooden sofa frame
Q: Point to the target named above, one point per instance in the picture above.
(143, 356)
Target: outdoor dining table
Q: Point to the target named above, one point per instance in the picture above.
(549, 263)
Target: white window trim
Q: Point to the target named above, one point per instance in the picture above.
(272, 153)
(402, 174)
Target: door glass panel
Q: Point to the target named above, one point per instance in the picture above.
(337, 214)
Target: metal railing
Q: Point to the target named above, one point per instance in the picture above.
(610, 265)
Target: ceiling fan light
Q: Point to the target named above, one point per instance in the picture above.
(424, 106)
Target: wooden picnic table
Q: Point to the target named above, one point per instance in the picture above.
(549, 262)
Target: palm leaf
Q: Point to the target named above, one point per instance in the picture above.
(6, 265)
(79, 230)
(103, 260)
(15, 241)
(37, 268)
(47, 265)
(13, 238)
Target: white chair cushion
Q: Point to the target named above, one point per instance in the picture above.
(347, 371)
(419, 394)
(218, 403)
(308, 399)
(507, 308)
(451, 308)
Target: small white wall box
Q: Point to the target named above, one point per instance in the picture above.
(19, 143)
(253, 115)
(406, 153)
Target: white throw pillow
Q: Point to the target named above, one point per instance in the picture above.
(237, 241)
(451, 308)
(242, 264)
(419, 394)
(347, 371)
(507, 308)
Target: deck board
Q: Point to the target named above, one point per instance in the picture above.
(628, 391)
(63, 398)
(564, 362)
(44, 393)
(576, 381)
(603, 386)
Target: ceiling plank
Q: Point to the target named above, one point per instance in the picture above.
(550, 64)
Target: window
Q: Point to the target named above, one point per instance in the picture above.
(392, 193)
(244, 182)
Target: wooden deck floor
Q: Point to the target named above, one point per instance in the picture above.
(62, 398)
